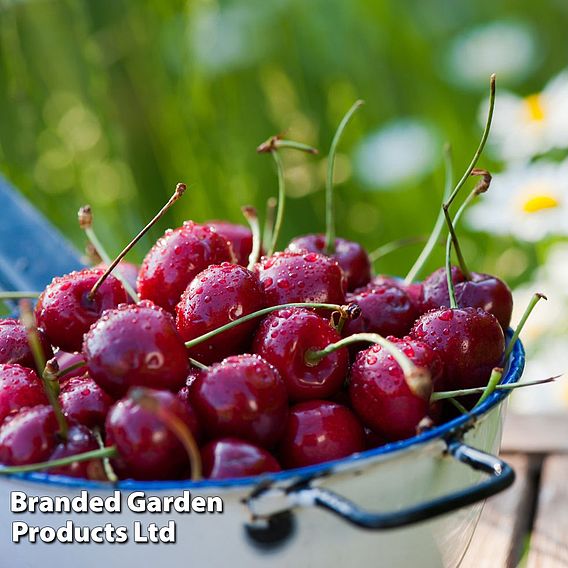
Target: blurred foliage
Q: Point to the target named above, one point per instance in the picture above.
(111, 102)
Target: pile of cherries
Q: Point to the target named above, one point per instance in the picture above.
(245, 365)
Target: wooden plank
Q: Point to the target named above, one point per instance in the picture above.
(549, 541)
(536, 433)
(497, 538)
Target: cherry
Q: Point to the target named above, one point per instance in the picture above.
(84, 402)
(301, 277)
(128, 271)
(435, 289)
(136, 345)
(28, 437)
(284, 338)
(470, 343)
(488, 293)
(176, 258)
(79, 440)
(242, 396)
(218, 295)
(65, 311)
(239, 237)
(414, 290)
(14, 346)
(318, 431)
(231, 457)
(351, 256)
(19, 387)
(147, 448)
(385, 309)
(380, 394)
(69, 360)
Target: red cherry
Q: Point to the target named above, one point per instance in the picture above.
(147, 448)
(136, 345)
(29, 437)
(351, 256)
(66, 360)
(301, 277)
(380, 395)
(242, 396)
(176, 258)
(488, 293)
(318, 431)
(435, 289)
(65, 311)
(283, 339)
(128, 271)
(239, 236)
(385, 309)
(84, 402)
(470, 343)
(218, 295)
(20, 387)
(415, 290)
(79, 440)
(14, 346)
(231, 457)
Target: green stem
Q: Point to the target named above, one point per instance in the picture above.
(452, 235)
(437, 231)
(418, 379)
(271, 204)
(206, 336)
(252, 219)
(449, 280)
(537, 296)
(329, 198)
(107, 466)
(198, 364)
(18, 295)
(459, 406)
(86, 456)
(494, 380)
(393, 246)
(65, 370)
(280, 204)
(280, 143)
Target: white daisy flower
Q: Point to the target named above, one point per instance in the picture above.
(524, 127)
(527, 201)
(400, 151)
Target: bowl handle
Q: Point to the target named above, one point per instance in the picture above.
(501, 476)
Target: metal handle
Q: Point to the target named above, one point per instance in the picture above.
(501, 476)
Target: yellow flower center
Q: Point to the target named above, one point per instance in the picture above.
(534, 108)
(533, 202)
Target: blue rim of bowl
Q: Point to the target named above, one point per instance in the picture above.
(513, 374)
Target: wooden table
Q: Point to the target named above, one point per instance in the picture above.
(528, 523)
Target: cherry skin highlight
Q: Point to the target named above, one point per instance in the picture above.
(301, 277)
(351, 256)
(283, 339)
(414, 290)
(470, 343)
(218, 295)
(136, 345)
(241, 396)
(238, 236)
(230, 458)
(20, 387)
(380, 395)
(176, 258)
(66, 313)
(147, 448)
(318, 431)
(14, 346)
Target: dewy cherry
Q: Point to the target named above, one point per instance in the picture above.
(136, 345)
(20, 387)
(285, 337)
(239, 237)
(14, 346)
(242, 396)
(176, 259)
(65, 310)
(218, 295)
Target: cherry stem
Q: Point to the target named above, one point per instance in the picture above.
(277, 142)
(439, 225)
(453, 239)
(107, 466)
(271, 204)
(50, 382)
(70, 368)
(537, 297)
(251, 216)
(441, 395)
(198, 364)
(329, 197)
(68, 460)
(144, 398)
(462, 409)
(85, 217)
(206, 336)
(393, 246)
(417, 378)
(19, 295)
(494, 380)
(451, 288)
(179, 190)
